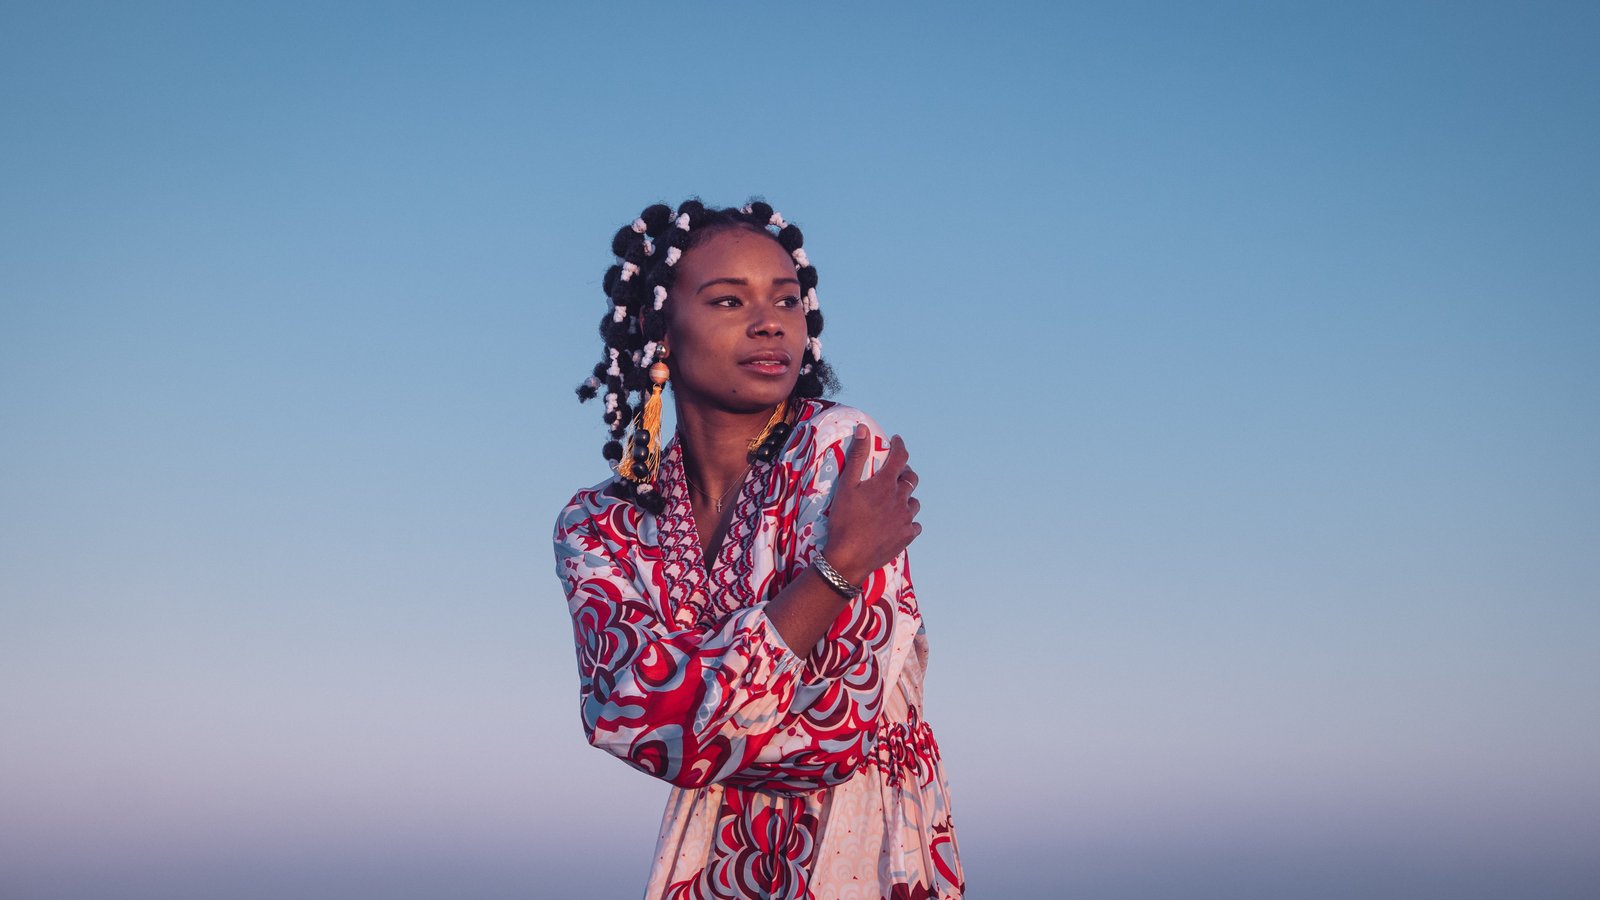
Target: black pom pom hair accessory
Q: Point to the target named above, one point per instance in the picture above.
(637, 285)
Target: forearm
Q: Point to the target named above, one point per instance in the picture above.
(848, 667)
(805, 610)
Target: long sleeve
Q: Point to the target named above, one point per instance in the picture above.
(839, 699)
(688, 705)
(681, 673)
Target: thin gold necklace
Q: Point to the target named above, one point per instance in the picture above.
(777, 416)
(716, 500)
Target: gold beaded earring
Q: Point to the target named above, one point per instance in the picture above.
(640, 464)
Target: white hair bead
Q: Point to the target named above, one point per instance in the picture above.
(613, 370)
(649, 247)
(649, 354)
(638, 226)
(809, 301)
(815, 346)
(673, 255)
(636, 357)
(800, 257)
(629, 270)
(661, 297)
(618, 313)
(683, 221)
(777, 221)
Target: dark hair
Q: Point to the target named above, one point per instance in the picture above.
(638, 284)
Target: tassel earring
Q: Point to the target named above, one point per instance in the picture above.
(644, 459)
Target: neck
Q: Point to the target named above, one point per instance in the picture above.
(716, 444)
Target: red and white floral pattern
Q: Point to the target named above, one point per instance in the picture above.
(793, 777)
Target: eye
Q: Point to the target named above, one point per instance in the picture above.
(789, 302)
(729, 302)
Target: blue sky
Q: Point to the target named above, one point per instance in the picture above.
(1246, 352)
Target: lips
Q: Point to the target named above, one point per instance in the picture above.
(767, 362)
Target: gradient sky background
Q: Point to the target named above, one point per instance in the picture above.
(1247, 352)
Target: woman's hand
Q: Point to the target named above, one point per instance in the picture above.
(871, 522)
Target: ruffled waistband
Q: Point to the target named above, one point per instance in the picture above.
(905, 749)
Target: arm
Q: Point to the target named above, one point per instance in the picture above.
(704, 704)
(690, 706)
(839, 698)
(866, 524)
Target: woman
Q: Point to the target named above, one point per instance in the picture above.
(746, 626)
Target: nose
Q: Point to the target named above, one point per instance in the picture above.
(765, 322)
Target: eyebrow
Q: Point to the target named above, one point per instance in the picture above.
(744, 282)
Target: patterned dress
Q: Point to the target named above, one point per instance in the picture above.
(794, 777)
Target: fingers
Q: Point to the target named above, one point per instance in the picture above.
(855, 456)
(860, 450)
(871, 520)
(907, 482)
(896, 460)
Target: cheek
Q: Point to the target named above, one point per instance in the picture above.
(687, 338)
(687, 350)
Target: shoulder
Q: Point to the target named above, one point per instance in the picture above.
(823, 424)
(594, 511)
(823, 434)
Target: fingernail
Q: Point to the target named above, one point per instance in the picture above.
(861, 430)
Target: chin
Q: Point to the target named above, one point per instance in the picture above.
(760, 401)
(752, 404)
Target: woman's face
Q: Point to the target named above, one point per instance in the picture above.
(735, 329)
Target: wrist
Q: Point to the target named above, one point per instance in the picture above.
(846, 564)
(856, 576)
(844, 586)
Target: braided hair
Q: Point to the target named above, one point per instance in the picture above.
(638, 286)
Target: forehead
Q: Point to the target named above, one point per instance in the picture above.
(738, 248)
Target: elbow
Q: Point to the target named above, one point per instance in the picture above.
(668, 758)
(656, 758)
